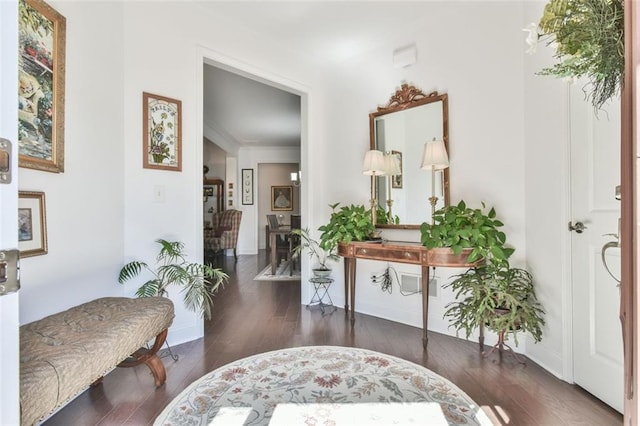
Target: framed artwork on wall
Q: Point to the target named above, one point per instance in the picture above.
(247, 186)
(281, 198)
(41, 86)
(396, 180)
(162, 122)
(32, 224)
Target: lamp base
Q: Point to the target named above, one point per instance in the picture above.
(433, 200)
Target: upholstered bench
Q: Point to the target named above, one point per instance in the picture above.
(63, 354)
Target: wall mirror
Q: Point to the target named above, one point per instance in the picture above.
(402, 127)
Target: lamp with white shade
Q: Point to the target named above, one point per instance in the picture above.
(373, 165)
(434, 158)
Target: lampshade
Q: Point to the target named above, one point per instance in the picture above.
(435, 155)
(373, 163)
(392, 164)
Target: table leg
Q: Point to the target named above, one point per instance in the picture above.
(425, 304)
(346, 285)
(352, 288)
(274, 252)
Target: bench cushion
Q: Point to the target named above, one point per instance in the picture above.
(62, 354)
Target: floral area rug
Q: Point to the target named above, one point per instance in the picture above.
(322, 385)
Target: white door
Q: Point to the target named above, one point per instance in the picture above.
(595, 173)
(9, 366)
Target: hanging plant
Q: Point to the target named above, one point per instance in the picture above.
(588, 36)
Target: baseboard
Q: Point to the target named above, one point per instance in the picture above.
(178, 336)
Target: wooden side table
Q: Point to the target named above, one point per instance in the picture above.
(401, 252)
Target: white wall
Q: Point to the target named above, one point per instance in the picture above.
(84, 205)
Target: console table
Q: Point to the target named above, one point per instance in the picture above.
(395, 251)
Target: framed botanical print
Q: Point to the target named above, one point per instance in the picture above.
(41, 68)
(281, 198)
(32, 224)
(162, 144)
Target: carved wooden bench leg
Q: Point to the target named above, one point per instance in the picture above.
(149, 357)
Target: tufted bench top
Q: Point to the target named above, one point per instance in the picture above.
(62, 354)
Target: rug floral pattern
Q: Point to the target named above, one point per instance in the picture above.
(316, 375)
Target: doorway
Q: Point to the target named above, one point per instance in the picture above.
(246, 150)
(274, 176)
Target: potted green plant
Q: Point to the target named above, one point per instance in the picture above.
(349, 223)
(462, 228)
(588, 38)
(500, 297)
(199, 282)
(316, 252)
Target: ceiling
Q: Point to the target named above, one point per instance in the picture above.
(249, 113)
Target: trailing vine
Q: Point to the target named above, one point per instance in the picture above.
(588, 36)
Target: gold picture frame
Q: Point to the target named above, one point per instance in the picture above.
(32, 224)
(41, 86)
(282, 198)
(162, 134)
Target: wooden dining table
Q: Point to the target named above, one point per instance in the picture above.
(273, 234)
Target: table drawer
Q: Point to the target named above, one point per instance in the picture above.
(381, 253)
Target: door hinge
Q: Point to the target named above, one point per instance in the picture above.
(9, 271)
(5, 160)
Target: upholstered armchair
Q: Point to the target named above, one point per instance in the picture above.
(224, 233)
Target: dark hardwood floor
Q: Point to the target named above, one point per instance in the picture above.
(250, 317)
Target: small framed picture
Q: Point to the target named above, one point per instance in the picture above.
(162, 144)
(396, 180)
(32, 224)
(247, 186)
(281, 198)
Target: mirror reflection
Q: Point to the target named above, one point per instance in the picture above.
(401, 130)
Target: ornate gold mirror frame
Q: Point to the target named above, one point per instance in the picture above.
(402, 127)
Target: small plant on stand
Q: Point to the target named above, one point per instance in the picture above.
(316, 252)
(499, 297)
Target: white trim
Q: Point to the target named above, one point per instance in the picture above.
(565, 243)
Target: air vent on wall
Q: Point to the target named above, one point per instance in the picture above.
(412, 284)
